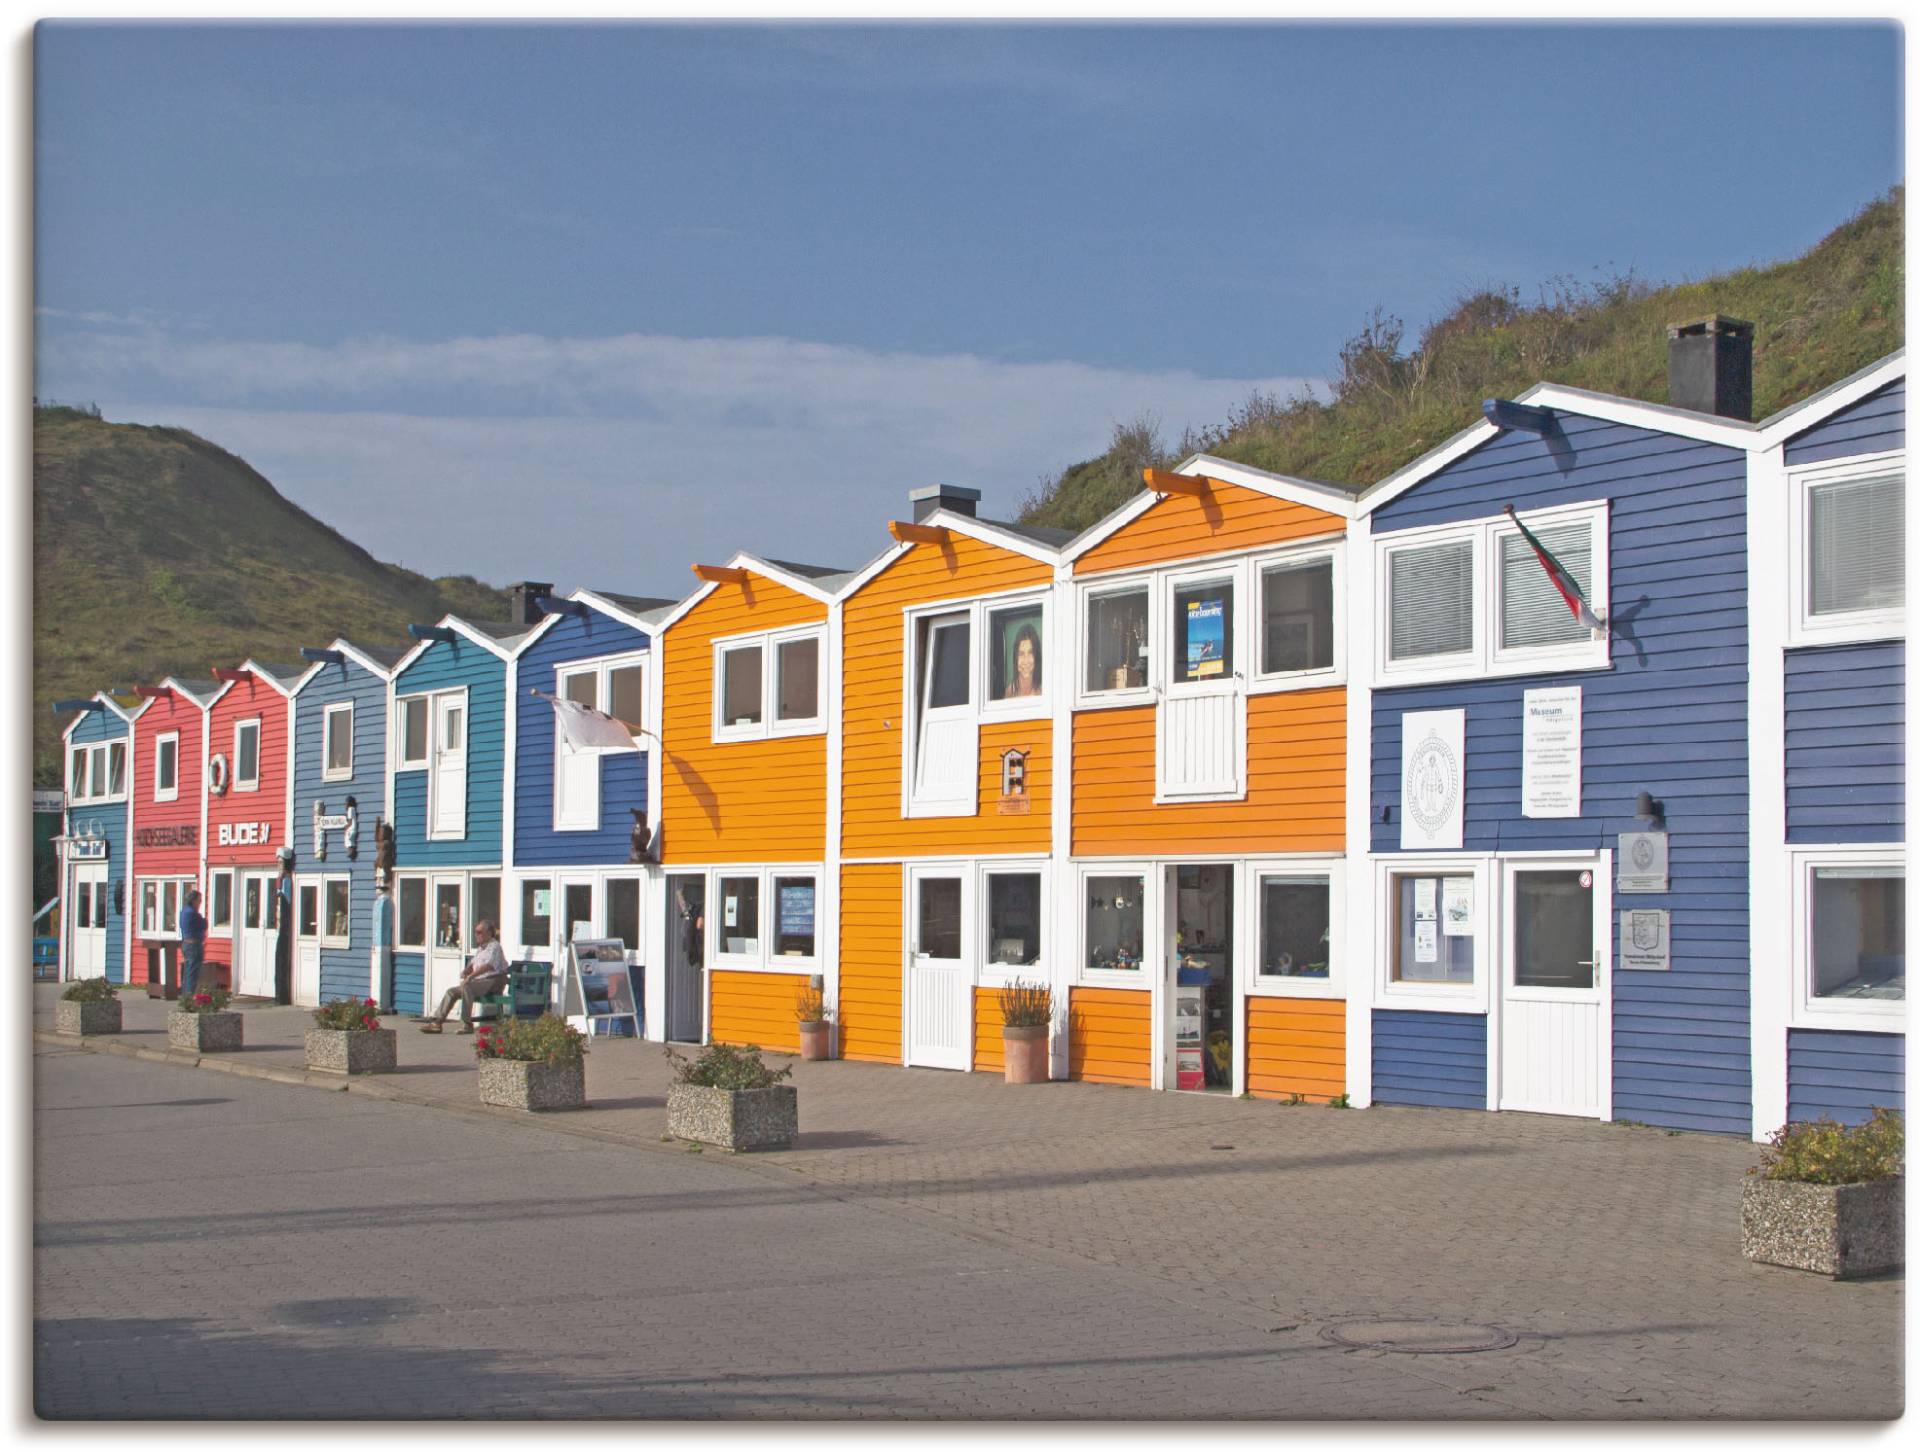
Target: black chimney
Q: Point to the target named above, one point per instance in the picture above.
(1710, 366)
(942, 496)
(523, 596)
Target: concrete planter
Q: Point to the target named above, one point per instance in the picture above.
(1025, 1049)
(1837, 1230)
(352, 1051)
(816, 1040)
(87, 1018)
(526, 1084)
(204, 1033)
(734, 1119)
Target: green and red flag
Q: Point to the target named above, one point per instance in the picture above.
(1561, 576)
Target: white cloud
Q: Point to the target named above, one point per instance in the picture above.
(618, 461)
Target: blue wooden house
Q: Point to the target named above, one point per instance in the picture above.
(450, 748)
(95, 872)
(339, 773)
(1557, 901)
(582, 818)
(1829, 803)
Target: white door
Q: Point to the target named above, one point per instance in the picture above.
(253, 937)
(939, 971)
(946, 768)
(447, 936)
(1554, 1024)
(306, 947)
(449, 775)
(87, 922)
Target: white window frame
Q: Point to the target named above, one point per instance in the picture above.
(1863, 1015)
(763, 959)
(717, 929)
(1301, 680)
(1486, 658)
(1021, 708)
(770, 914)
(521, 882)
(329, 772)
(1839, 628)
(1334, 985)
(998, 975)
(1144, 976)
(214, 929)
(1185, 576)
(1096, 587)
(601, 668)
(125, 764)
(244, 783)
(1471, 997)
(425, 945)
(170, 793)
(96, 762)
(416, 700)
(327, 939)
(168, 929)
(770, 724)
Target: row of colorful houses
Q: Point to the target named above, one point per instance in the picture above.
(1285, 788)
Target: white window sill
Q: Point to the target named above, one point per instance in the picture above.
(1462, 998)
(172, 796)
(1113, 700)
(576, 827)
(1387, 680)
(346, 775)
(1028, 708)
(1295, 681)
(799, 728)
(1272, 985)
(336, 942)
(941, 809)
(1163, 800)
(1863, 629)
(1889, 1019)
(757, 965)
(1114, 978)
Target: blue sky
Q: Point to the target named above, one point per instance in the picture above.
(656, 293)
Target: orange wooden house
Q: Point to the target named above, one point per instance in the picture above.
(748, 681)
(1208, 760)
(947, 840)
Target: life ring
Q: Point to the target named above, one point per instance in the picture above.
(217, 774)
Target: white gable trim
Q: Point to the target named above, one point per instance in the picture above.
(1802, 416)
(260, 673)
(346, 648)
(874, 568)
(1310, 492)
(614, 612)
(1115, 521)
(680, 611)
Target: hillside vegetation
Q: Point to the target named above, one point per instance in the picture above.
(157, 553)
(1816, 319)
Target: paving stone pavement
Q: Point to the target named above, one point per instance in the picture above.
(951, 1245)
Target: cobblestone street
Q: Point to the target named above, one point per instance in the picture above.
(214, 1244)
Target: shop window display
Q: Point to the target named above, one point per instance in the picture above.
(1116, 921)
(1295, 914)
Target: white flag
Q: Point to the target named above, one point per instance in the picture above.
(586, 728)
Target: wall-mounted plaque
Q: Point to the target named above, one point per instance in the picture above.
(1643, 862)
(1643, 940)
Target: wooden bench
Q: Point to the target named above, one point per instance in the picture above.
(527, 995)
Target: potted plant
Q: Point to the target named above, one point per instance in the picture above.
(728, 1097)
(1828, 1198)
(204, 1023)
(1026, 1019)
(346, 1038)
(816, 1021)
(89, 1006)
(533, 1064)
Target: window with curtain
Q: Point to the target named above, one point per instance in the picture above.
(1430, 601)
(1532, 610)
(1856, 545)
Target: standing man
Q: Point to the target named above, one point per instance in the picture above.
(283, 942)
(193, 942)
(485, 973)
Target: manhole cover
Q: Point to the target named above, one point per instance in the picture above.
(1419, 1338)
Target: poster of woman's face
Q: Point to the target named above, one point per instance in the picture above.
(1016, 662)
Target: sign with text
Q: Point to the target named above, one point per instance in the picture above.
(244, 834)
(178, 834)
(1644, 940)
(1433, 778)
(1550, 753)
(1643, 862)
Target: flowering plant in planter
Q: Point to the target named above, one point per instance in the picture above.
(730, 1098)
(1829, 1198)
(89, 990)
(722, 1066)
(815, 1020)
(547, 1039)
(348, 1014)
(89, 1006)
(346, 1038)
(532, 1064)
(213, 1000)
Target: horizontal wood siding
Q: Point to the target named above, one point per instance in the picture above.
(1296, 1046)
(1844, 1076)
(444, 666)
(344, 972)
(1874, 425)
(1436, 1059)
(737, 801)
(247, 701)
(1110, 1036)
(109, 819)
(872, 962)
(1846, 743)
(874, 755)
(1224, 518)
(1296, 775)
(989, 1049)
(164, 714)
(1669, 717)
(623, 775)
(409, 982)
(756, 1008)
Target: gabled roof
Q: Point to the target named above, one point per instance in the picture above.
(499, 637)
(125, 713)
(824, 583)
(632, 604)
(1334, 499)
(201, 693)
(809, 572)
(378, 659)
(1036, 542)
(1796, 418)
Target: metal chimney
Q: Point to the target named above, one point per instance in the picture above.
(1710, 366)
(942, 496)
(522, 596)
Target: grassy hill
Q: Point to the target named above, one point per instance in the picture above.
(1816, 319)
(157, 553)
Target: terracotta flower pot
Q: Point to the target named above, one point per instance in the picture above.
(1026, 1053)
(816, 1040)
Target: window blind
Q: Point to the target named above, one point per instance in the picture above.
(1532, 611)
(1430, 601)
(1857, 544)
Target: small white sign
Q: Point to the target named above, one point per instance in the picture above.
(1456, 907)
(1426, 942)
(1425, 899)
(1550, 753)
(1433, 778)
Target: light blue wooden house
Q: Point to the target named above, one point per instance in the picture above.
(95, 871)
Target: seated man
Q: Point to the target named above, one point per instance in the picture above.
(484, 975)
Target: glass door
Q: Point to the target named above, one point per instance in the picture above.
(1554, 1055)
(939, 971)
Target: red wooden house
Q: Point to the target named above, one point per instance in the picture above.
(167, 821)
(248, 819)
